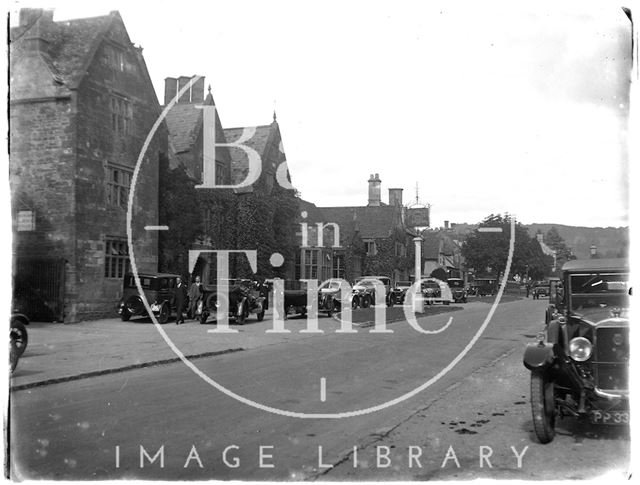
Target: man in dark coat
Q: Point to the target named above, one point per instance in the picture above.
(195, 295)
(181, 300)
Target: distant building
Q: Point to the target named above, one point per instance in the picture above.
(374, 239)
(442, 254)
(81, 105)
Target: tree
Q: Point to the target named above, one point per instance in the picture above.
(488, 251)
(557, 243)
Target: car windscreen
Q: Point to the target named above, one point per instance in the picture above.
(329, 285)
(456, 283)
(599, 290)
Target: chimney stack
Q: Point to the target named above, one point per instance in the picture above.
(374, 191)
(172, 85)
(29, 16)
(395, 197)
(446, 225)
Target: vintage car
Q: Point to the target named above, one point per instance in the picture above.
(18, 337)
(246, 297)
(399, 291)
(364, 291)
(540, 289)
(457, 290)
(330, 297)
(436, 291)
(580, 364)
(484, 286)
(159, 290)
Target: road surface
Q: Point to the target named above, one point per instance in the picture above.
(166, 422)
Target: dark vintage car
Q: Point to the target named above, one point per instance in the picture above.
(540, 289)
(399, 291)
(159, 290)
(580, 364)
(18, 337)
(458, 290)
(364, 291)
(484, 286)
(246, 297)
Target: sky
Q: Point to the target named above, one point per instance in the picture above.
(489, 107)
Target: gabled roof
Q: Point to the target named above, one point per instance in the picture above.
(372, 222)
(184, 122)
(71, 45)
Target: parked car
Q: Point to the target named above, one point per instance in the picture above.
(580, 364)
(330, 297)
(484, 286)
(540, 289)
(399, 291)
(246, 297)
(457, 290)
(18, 337)
(159, 290)
(364, 290)
(435, 290)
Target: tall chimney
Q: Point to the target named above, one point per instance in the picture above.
(182, 82)
(197, 91)
(446, 225)
(395, 197)
(170, 89)
(374, 190)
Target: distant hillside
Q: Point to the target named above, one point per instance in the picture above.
(610, 241)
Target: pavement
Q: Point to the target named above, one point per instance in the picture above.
(59, 352)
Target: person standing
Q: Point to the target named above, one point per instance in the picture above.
(181, 299)
(195, 296)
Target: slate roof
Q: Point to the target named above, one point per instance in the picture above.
(371, 222)
(258, 139)
(71, 46)
(430, 246)
(184, 122)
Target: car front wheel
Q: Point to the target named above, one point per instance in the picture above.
(543, 407)
(19, 337)
(163, 317)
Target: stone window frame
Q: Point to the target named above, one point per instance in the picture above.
(118, 184)
(121, 109)
(338, 267)
(310, 263)
(115, 57)
(370, 247)
(116, 257)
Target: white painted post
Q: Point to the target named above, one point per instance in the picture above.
(417, 302)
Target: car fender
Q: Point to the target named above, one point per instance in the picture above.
(538, 356)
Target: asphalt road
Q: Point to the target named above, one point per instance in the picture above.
(114, 426)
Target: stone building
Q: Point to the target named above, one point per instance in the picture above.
(259, 216)
(374, 239)
(81, 105)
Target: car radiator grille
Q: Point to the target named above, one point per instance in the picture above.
(611, 358)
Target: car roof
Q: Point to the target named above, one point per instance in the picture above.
(617, 264)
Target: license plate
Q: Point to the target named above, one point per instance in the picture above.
(610, 417)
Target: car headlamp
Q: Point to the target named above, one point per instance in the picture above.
(580, 349)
